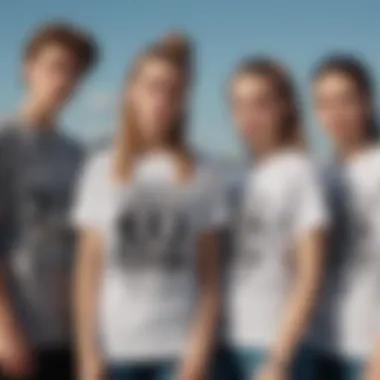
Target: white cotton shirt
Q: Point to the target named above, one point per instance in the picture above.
(281, 201)
(150, 228)
(348, 315)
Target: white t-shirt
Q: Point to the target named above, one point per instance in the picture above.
(281, 201)
(150, 228)
(347, 320)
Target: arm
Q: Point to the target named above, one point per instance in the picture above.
(206, 321)
(86, 289)
(309, 224)
(302, 299)
(86, 216)
(372, 371)
(15, 354)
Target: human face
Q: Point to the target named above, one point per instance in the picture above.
(158, 99)
(342, 110)
(52, 76)
(258, 110)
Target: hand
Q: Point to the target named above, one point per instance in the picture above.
(16, 359)
(372, 374)
(273, 371)
(192, 369)
(91, 367)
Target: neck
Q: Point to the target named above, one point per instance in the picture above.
(38, 116)
(349, 150)
(162, 148)
(263, 153)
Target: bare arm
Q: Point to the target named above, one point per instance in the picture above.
(372, 372)
(302, 299)
(206, 320)
(15, 353)
(7, 320)
(86, 289)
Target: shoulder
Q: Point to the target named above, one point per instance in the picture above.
(374, 156)
(222, 181)
(95, 176)
(100, 160)
(210, 173)
(294, 166)
(9, 141)
(8, 130)
(98, 164)
(73, 147)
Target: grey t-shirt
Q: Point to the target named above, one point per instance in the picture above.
(38, 170)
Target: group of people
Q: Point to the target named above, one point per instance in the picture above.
(141, 262)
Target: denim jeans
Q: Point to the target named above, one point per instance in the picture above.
(166, 370)
(244, 363)
(323, 366)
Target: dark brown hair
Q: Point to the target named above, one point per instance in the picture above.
(75, 40)
(359, 73)
(176, 49)
(283, 83)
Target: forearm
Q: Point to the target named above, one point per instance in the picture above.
(207, 312)
(205, 328)
(372, 371)
(8, 321)
(296, 320)
(85, 321)
(86, 296)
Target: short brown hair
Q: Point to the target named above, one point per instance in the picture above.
(81, 44)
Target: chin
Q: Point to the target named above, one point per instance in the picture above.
(58, 101)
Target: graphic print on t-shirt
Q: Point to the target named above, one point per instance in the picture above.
(261, 225)
(45, 230)
(152, 232)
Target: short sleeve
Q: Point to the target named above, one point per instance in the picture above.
(310, 208)
(6, 199)
(88, 205)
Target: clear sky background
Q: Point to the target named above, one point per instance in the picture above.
(297, 31)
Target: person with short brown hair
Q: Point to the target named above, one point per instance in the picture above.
(81, 45)
(38, 167)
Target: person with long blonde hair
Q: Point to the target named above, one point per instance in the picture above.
(147, 283)
(280, 223)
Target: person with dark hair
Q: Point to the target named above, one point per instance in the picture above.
(346, 322)
(38, 167)
(280, 223)
(149, 213)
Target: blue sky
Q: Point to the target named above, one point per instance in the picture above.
(297, 31)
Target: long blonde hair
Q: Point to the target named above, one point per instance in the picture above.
(176, 49)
